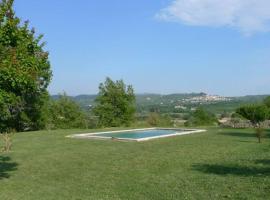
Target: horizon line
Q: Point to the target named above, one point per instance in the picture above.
(167, 94)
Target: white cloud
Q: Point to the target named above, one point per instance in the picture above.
(248, 16)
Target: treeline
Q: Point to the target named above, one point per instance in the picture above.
(115, 106)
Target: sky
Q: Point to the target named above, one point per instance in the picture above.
(158, 46)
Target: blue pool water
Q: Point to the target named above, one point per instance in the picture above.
(139, 134)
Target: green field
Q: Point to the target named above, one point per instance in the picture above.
(218, 164)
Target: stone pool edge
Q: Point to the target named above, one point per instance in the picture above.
(94, 134)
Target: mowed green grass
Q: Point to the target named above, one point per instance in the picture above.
(217, 164)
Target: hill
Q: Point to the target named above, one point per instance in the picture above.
(178, 103)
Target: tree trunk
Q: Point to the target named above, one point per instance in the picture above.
(259, 131)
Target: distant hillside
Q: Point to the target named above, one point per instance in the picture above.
(83, 100)
(150, 99)
(178, 103)
(251, 98)
(141, 99)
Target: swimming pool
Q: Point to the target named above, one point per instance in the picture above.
(137, 134)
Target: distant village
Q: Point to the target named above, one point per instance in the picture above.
(202, 99)
(205, 99)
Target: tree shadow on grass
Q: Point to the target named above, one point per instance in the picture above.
(263, 162)
(238, 134)
(248, 141)
(245, 134)
(6, 166)
(234, 169)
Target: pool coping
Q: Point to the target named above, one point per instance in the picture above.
(94, 135)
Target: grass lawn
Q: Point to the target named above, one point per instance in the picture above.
(217, 164)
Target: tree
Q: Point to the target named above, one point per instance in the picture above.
(66, 113)
(115, 104)
(24, 74)
(201, 118)
(267, 104)
(267, 101)
(155, 119)
(256, 114)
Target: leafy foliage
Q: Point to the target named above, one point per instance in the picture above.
(24, 74)
(267, 104)
(7, 142)
(256, 114)
(115, 104)
(267, 101)
(155, 119)
(201, 118)
(235, 119)
(65, 113)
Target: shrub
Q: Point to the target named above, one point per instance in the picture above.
(256, 114)
(7, 141)
(64, 113)
(155, 119)
(201, 118)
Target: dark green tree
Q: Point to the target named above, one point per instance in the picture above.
(201, 118)
(267, 102)
(155, 119)
(115, 104)
(24, 74)
(256, 114)
(66, 113)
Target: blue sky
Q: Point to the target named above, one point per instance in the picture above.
(158, 46)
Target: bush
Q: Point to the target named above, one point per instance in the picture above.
(64, 113)
(155, 119)
(259, 133)
(256, 114)
(7, 142)
(266, 101)
(201, 118)
(267, 104)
